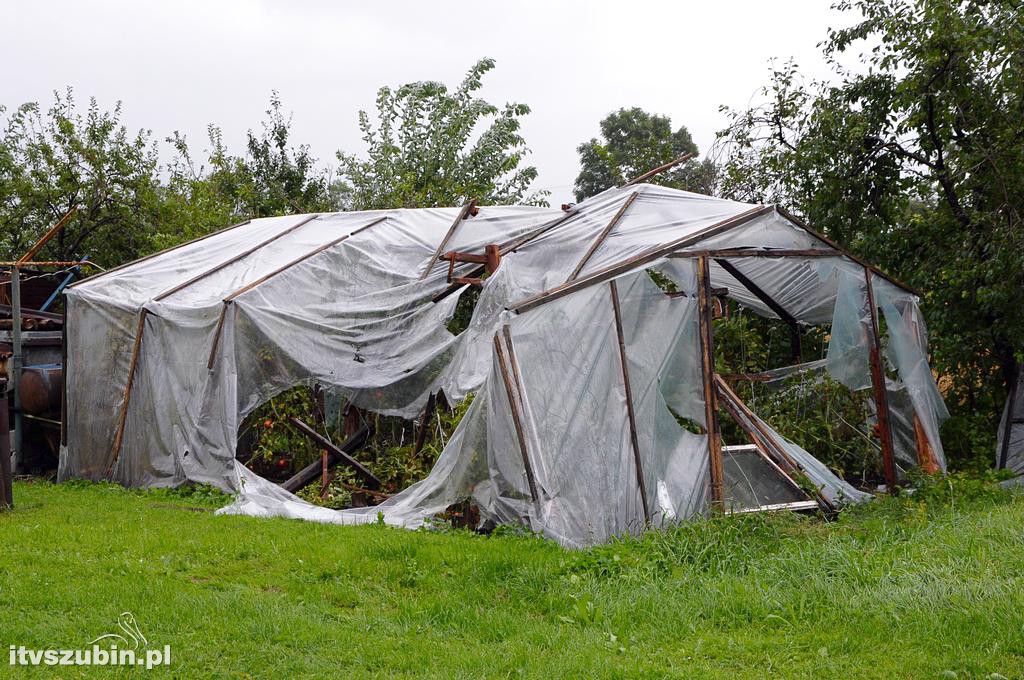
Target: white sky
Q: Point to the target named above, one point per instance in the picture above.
(183, 64)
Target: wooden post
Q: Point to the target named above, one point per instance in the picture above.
(710, 398)
(516, 420)
(324, 465)
(629, 401)
(925, 454)
(878, 385)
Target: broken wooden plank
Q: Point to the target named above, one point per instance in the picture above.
(335, 454)
(763, 439)
(661, 168)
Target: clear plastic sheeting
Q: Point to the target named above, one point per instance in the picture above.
(905, 351)
(849, 344)
(167, 355)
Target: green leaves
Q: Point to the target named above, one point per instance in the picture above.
(914, 160)
(431, 147)
(633, 142)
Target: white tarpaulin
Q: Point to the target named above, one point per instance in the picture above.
(167, 355)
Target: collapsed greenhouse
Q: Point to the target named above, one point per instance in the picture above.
(583, 369)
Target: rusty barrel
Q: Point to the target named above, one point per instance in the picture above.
(40, 389)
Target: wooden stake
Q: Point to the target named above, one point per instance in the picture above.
(710, 400)
(878, 385)
(629, 401)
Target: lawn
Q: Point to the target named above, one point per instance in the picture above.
(926, 587)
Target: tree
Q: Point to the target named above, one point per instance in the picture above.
(51, 162)
(916, 163)
(426, 151)
(633, 142)
(272, 178)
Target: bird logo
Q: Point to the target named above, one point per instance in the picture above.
(126, 622)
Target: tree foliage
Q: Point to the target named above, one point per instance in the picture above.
(915, 162)
(431, 147)
(633, 142)
(271, 178)
(54, 160)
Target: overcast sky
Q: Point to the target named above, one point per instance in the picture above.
(180, 65)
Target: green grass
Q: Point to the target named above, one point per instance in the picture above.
(904, 588)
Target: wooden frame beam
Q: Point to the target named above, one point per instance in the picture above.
(517, 422)
(631, 263)
(758, 292)
(821, 237)
(463, 214)
(240, 256)
(602, 236)
(249, 286)
(704, 313)
(338, 454)
(755, 252)
(158, 253)
(878, 386)
(624, 361)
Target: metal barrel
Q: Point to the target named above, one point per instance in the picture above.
(40, 389)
